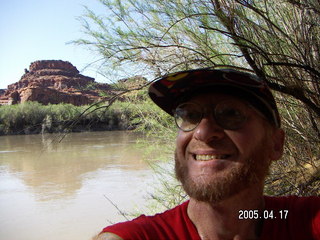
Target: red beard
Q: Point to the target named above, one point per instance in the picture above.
(214, 190)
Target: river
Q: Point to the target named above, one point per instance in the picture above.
(53, 188)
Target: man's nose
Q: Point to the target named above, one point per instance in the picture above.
(208, 130)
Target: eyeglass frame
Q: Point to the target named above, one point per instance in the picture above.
(204, 111)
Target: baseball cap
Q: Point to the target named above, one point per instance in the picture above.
(170, 90)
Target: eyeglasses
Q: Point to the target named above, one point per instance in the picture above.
(229, 115)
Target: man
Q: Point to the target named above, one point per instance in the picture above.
(229, 133)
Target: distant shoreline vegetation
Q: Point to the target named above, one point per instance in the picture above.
(35, 118)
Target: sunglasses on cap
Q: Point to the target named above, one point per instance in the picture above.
(229, 115)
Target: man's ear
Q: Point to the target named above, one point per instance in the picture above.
(277, 144)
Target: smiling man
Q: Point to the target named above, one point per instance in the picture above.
(229, 134)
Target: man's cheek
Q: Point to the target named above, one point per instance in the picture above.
(183, 139)
(179, 155)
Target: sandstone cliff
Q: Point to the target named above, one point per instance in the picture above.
(54, 81)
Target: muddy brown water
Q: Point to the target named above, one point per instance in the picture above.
(57, 190)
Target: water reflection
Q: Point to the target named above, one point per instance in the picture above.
(47, 185)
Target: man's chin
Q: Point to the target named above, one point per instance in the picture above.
(220, 187)
(214, 190)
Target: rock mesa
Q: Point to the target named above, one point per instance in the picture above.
(53, 81)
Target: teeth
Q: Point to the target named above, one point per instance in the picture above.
(210, 157)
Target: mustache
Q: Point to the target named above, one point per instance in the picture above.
(220, 145)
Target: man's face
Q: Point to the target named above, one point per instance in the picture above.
(214, 164)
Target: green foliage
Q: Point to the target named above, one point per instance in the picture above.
(278, 40)
(62, 112)
(297, 172)
(21, 118)
(153, 34)
(33, 117)
(134, 111)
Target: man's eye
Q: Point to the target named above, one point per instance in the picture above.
(192, 117)
(231, 112)
(230, 117)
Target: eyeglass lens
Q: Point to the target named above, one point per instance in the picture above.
(230, 115)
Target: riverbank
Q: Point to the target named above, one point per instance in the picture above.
(35, 118)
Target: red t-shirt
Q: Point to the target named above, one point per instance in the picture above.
(285, 218)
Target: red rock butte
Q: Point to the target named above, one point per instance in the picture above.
(53, 81)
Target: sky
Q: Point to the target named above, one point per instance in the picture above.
(32, 30)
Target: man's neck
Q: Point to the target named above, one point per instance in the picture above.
(221, 221)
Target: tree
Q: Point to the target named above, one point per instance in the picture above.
(277, 40)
